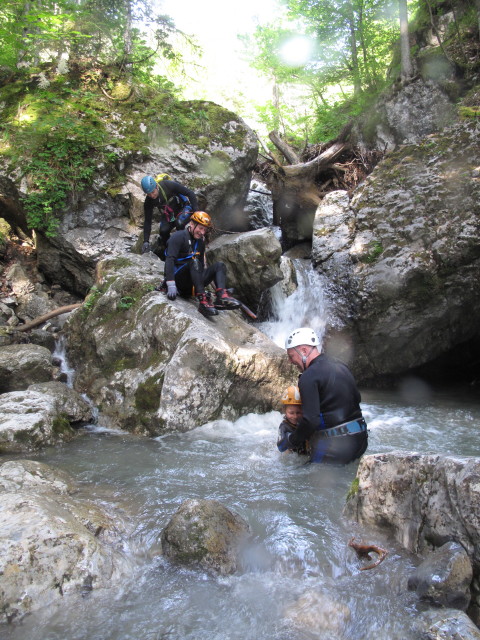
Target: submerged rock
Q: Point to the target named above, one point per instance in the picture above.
(53, 546)
(446, 624)
(206, 534)
(444, 577)
(317, 612)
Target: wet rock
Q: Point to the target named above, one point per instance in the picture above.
(424, 501)
(252, 260)
(30, 420)
(53, 546)
(446, 624)
(22, 365)
(153, 366)
(317, 612)
(206, 534)
(444, 577)
(69, 402)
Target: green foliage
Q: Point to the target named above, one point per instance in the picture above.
(57, 140)
(375, 249)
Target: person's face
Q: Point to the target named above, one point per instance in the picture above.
(199, 231)
(293, 413)
(153, 194)
(295, 357)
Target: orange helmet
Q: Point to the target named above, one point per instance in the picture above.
(291, 395)
(202, 218)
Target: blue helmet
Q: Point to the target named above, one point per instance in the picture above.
(148, 184)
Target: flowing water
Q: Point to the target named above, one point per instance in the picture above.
(299, 542)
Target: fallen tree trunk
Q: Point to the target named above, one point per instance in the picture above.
(47, 316)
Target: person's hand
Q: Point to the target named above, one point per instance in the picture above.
(172, 289)
(145, 247)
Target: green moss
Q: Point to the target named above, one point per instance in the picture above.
(147, 395)
(353, 490)
(61, 426)
(469, 113)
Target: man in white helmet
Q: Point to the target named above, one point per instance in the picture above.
(332, 420)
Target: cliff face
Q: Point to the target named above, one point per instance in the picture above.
(403, 255)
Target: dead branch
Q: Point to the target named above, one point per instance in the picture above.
(51, 314)
(364, 551)
(312, 168)
(271, 156)
(289, 154)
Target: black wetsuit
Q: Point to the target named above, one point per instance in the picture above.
(330, 398)
(170, 205)
(185, 261)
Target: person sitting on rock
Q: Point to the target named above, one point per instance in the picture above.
(292, 406)
(185, 267)
(176, 204)
(332, 419)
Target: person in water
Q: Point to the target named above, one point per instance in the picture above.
(185, 268)
(292, 407)
(176, 204)
(332, 420)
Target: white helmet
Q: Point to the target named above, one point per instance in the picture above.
(301, 336)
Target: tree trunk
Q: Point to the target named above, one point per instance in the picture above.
(357, 85)
(406, 70)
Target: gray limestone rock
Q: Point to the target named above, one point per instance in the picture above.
(53, 547)
(206, 534)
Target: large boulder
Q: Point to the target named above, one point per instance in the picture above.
(206, 534)
(253, 262)
(152, 365)
(403, 255)
(424, 501)
(24, 364)
(53, 546)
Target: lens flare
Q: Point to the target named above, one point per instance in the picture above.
(297, 51)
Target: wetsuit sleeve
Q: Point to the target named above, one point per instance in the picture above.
(282, 442)
(310, 409)
(173, 250)
(147, 218)
(176, 187)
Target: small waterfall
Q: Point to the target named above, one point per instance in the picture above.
(305, 307)
(60, 355)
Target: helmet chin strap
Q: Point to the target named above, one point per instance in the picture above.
(304, 358)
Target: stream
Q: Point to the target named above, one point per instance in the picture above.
(299, 542)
